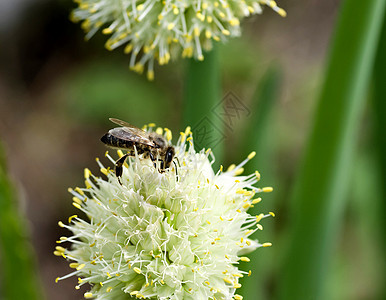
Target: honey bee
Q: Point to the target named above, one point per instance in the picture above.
(133, 139)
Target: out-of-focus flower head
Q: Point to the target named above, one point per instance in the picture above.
(170, 235)
(160, 29)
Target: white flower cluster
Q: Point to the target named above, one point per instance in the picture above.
(159, 29)
(171, 235)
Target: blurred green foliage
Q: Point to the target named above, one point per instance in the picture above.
(104, 89)
(321, 190)
(18, 267)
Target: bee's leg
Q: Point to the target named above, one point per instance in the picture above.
(118, 167)
(152, 159)
(175, 165)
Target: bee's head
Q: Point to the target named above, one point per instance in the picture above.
(169, 155)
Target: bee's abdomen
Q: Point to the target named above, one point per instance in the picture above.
(115, 142)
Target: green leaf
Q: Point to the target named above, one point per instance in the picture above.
(320, 192)
(18, 270)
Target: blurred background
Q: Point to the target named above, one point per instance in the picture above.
(58, 91)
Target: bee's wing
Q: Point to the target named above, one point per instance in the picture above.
(122, 123)
(131, 133)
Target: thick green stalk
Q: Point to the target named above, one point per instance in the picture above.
(379, 104)
(18, 271)
(203, 103)
(320, 191)
(258, 137)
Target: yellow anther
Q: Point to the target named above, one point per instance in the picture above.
(272, 213)
(209, 19)
(244, 258)
(238, 210)
(107, 30)
(255, 201)
(216, 186)
(259, 217)
(76, 205)
(137, 270)
(234, 22)
(58, 253)
(240, 191)
(259, 226)
(207, 222)
(104, 171)
(100, 283)
(226, 256)
(248, 242)
(128, 48)
(251, 155)
(176, 11)
(225, 31)
(196, 31)
(267, 244)
(108, 290)
(72, 217)
(249, 273)
(227, 280)
(159, 131)
(80, 280)
(57, 279)
(87, 173)
(163, 282)
(61, 224)
(60, 249)
(79, 191)
(108, 274)
(248, 232)
(267, 189)
(77, 200)
(83, 5)
(88, 295)
(249, 193)
(150, 75)
(204, 5)
(200, 16)
(168, 134)
(221, 218)
(140, 7)
(120, 153)
(238, 297)
(282, 12)
(133, 293)
(239, 171)
(207, 282)
(171, 26)
(80, 267)
(231, 167)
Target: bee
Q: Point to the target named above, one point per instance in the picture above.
(133, 139)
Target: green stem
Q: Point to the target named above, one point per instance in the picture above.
(379, 104)
(18, 270)
(320, 191)
(258, 137)
(203, 103)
